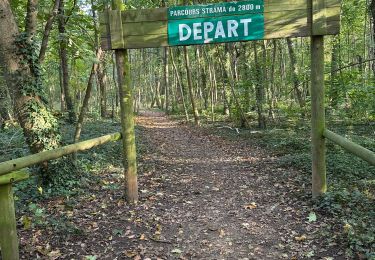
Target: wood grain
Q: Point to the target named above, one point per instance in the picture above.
(148, 28)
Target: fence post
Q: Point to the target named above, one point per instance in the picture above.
(8, 230)
(127, 119)
(318, 24)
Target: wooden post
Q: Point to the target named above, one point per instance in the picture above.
(8, 230)
(319, 184)
(127, 119)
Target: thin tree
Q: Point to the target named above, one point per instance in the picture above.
(190, 86)
(295, 79)
(64, 63)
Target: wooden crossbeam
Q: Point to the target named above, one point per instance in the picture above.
(148, 28)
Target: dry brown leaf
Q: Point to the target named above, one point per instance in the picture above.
(301, 238)
(252, 205)
(129, 253)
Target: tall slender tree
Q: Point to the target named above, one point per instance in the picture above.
(63, 40)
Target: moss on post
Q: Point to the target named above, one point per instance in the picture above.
(14, 177)
(127, 120)
(8, 231)
(319, 182)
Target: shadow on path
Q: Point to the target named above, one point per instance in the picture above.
(201, 197)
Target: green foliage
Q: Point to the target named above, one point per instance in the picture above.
(31, 84)
(357, 213)
(36, 216)
(351, 196)
(44, 126)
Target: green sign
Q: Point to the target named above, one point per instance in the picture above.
(215, 23)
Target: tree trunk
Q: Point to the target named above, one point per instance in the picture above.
(85, 104)
(4, 105)
(39, 125)
(180, 85)
(47, 30)
(259, 89)
(296, 82)
(31, 19)
(272, 98)
(229, 75)
(203, 75)
(64, 64)
(166, 78)
(190, 85)
(103, 82)
(212, 78)
(334, 88)
(372, 50)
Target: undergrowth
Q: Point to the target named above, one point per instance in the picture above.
(351, 181)
(69, 178)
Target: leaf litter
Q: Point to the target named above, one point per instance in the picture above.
(202, 196)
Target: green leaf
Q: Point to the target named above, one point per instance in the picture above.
(117, 232)
(312, 217)
(310, 254)
(91, 257)
(176, 251)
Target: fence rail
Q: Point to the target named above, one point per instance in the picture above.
(356, 149)
(8, 175)
(23, 162)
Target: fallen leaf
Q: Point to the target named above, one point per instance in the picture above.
(176, 251)
(310, 254)
(91, 257)
(54, 254)
(129, 253)
(252, 205)
(158, 229)
(347, 228)
(116, 232)
(221, 233)
(301, 238)
(312, 217)
(26, 221)
(42, 250)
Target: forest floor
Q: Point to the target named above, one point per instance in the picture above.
(202, 196)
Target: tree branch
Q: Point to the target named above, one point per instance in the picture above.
(47, 30)
(352, 65)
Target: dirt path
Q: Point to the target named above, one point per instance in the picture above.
(201, 197)
(227, 200)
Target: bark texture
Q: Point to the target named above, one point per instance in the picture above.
(296, 82)
(23, 81)
(190, 85)
(64, 63)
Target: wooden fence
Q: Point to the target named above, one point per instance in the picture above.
(10, 175)
(11, 172)
(357, 150)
